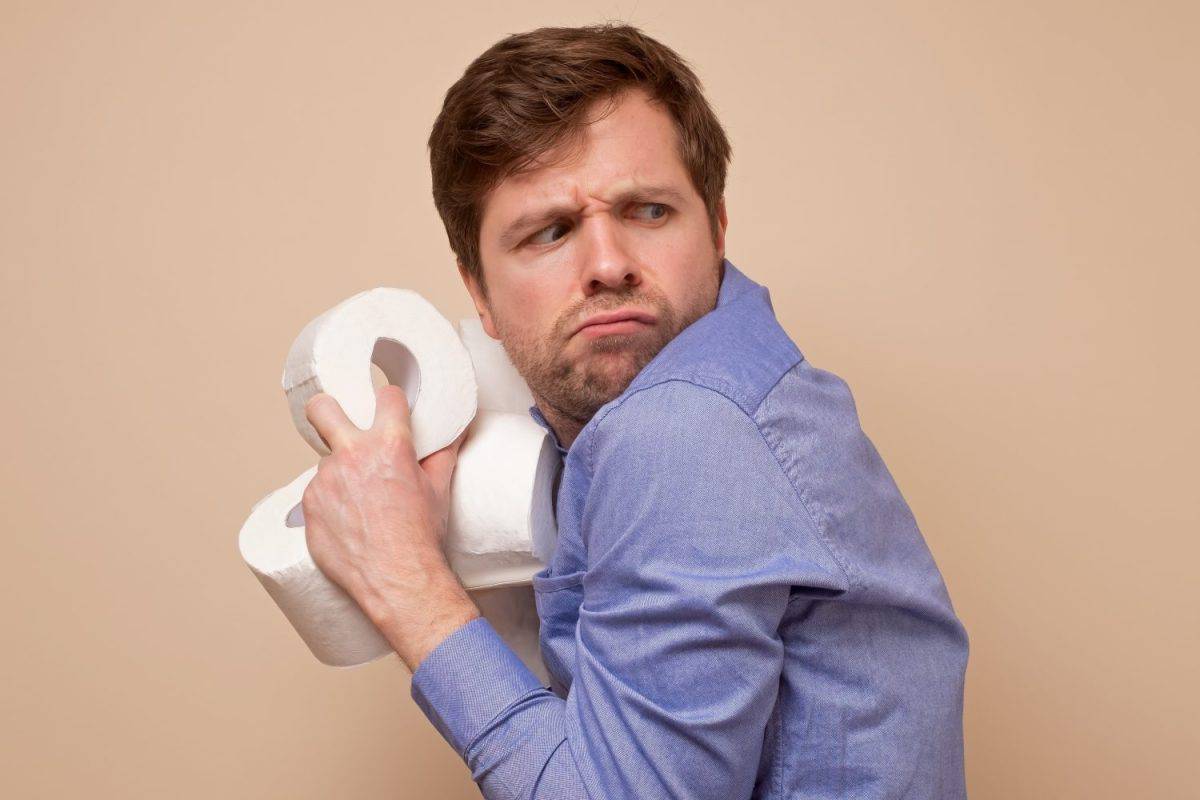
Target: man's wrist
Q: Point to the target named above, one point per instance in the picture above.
(415, 619)
(420, 642)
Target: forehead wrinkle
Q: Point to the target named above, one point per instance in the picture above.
(557, 207)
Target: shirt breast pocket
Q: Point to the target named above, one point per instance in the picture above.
(558, 598)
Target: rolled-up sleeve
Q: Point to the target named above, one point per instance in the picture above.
(696, 541)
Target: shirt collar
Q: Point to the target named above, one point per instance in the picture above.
(541, 420)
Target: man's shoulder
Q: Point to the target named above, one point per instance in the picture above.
(798, 407)
(669, 424)
(673, 408)
(740, 353)
(688, 451)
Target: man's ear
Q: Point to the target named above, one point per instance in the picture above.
(723, 219)
(481, 302)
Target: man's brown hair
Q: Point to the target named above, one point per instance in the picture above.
(530, 92)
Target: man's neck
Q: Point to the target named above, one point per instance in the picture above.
(566, 428)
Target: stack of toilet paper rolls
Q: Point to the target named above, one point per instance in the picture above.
(501, 522)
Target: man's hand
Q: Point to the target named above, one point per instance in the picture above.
(375, 523)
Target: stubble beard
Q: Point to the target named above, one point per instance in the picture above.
(603, 367)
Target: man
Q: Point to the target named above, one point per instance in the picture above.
(740, 603)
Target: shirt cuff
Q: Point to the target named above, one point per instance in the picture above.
(468, 680)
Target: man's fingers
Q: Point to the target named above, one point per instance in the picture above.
(325, 414)
(439, 465)
(391, 412)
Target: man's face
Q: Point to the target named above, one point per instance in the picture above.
(612, 226)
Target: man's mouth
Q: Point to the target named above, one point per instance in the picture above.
(619, 321)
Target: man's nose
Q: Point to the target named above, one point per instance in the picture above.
(607, 261)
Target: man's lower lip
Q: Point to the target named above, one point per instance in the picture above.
(606, 328)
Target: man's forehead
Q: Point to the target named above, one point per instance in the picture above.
(634, 148)
(582, 191)
(560, 186)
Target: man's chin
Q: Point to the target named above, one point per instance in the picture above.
(607, 381)
(597, 373)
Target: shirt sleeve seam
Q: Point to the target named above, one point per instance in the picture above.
(816, 520)
(849, 574)
(711, 383)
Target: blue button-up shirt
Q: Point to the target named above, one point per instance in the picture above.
(739, 605)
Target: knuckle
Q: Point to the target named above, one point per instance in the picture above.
(354, 451)
(318, 487)
(396, 438)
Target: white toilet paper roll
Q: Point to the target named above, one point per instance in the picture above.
(327, 619)
(501, 387)
(501, 527)
(399, 331)
(500, 532)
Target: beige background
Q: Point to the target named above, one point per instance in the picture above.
(984, 218)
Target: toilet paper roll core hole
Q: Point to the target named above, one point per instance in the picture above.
(295, 517)
(394, 363)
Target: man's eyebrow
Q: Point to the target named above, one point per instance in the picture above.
(511, 232)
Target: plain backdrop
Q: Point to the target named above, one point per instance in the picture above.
(983, 216)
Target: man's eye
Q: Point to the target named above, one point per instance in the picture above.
(659, 208)
(657, 211)
(534, 239)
